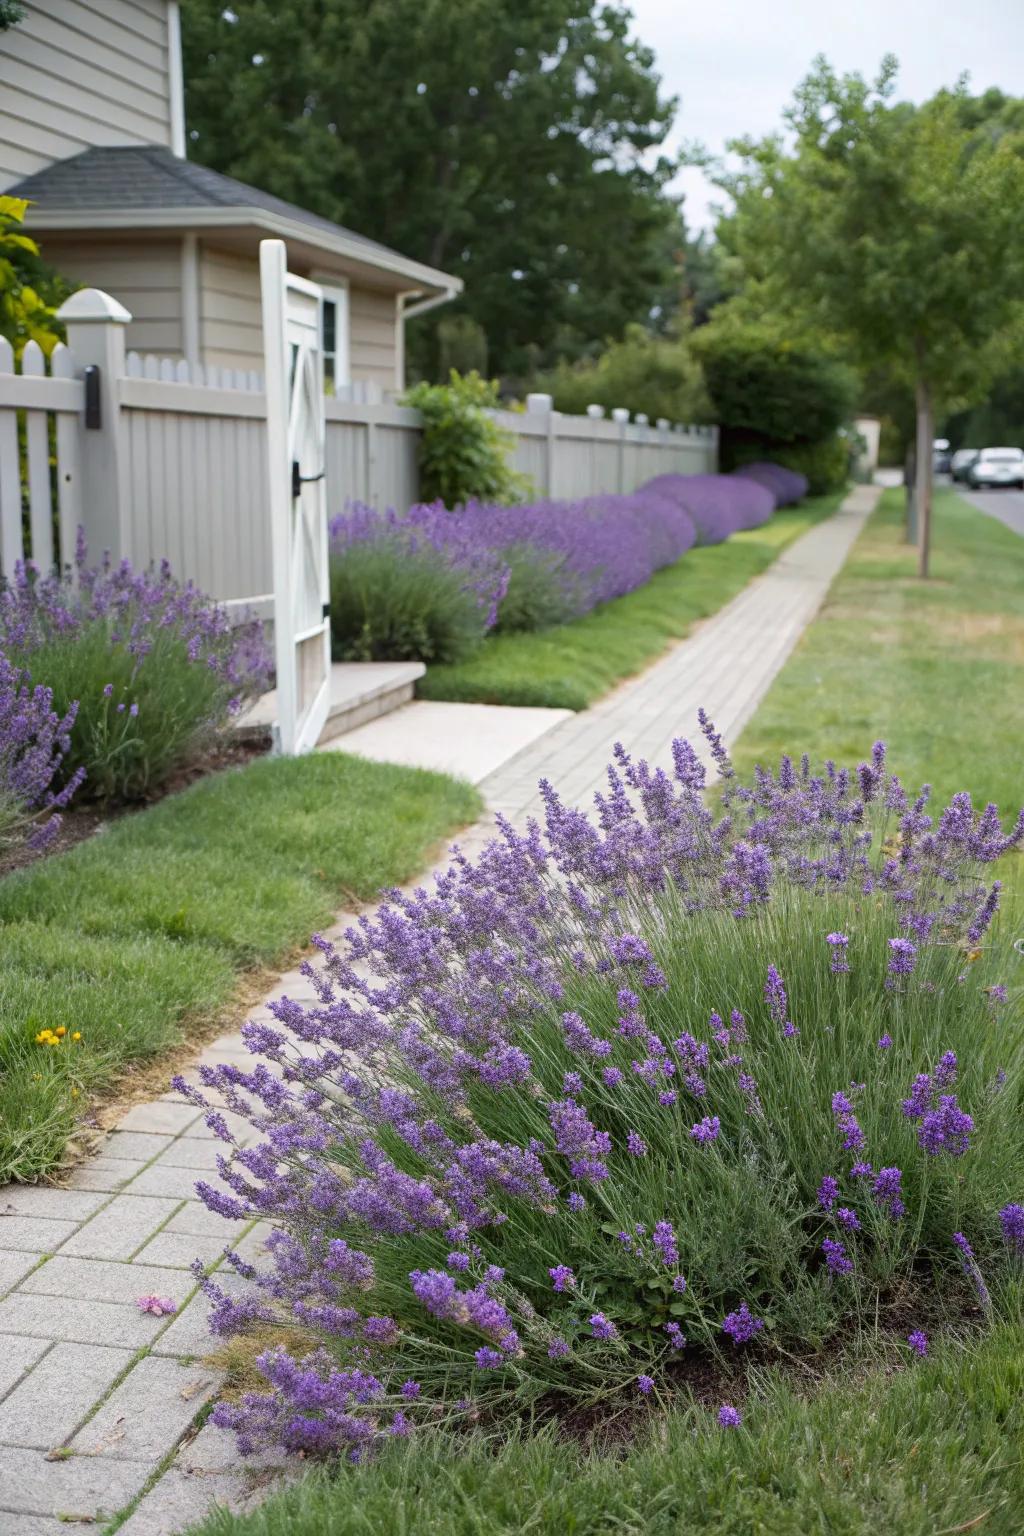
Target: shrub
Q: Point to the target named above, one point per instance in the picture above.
(766, 388)
(629, 1093)
(33, 742)
(658, 375)
(784, 484)
(431, 583)
(463, 451)
(824, 465)
(155, 668)
(718, 504)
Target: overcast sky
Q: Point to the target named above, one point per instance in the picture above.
(734, 63)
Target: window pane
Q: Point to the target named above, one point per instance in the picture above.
(330, 325)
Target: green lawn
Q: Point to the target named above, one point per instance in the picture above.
(572, 665)
(924, 1451)
(149, 926)
(932, 667)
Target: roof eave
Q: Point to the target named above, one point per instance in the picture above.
(258, 218)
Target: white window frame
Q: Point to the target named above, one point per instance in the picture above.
(337, 369)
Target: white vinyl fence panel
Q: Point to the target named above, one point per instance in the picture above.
(40, 502)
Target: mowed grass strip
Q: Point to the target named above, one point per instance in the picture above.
(570, 666)
(919, 1448)
(147, 928)
(934, 668)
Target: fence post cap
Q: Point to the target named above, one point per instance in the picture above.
(663, 424)
(539, 402)
(595, 412)
(642, 419)
(620, 413)
(92, 305)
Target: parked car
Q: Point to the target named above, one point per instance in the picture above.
(940, 456)
(962, 461)
(997, 467)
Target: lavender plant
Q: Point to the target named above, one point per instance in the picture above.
(719, 505)
(786, 485)
(155, 668)
(681, 1080)
(34, 739)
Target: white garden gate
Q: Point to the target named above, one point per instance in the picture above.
(298, 499)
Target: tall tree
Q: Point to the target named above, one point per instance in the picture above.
(511, 142)
(896, 227)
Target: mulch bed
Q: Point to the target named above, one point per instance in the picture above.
(81, 822)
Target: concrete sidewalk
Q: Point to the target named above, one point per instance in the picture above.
(117, 1392)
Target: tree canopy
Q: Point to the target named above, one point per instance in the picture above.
(513, 143)
(892, 227)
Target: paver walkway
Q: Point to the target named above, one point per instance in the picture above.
(82, 1370)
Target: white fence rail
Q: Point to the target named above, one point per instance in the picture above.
(172, 462)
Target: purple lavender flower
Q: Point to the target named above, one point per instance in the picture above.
(411, 1390)
(645, 1385)
(888, 1192)
(729, 1417)
(664, 1240)
(1011, 1218)
(775, 997)
(601, 1328)
(706, 1130)
(675, 1336)
(885, 1042)
(576, 1139)
(848, 1219)
(828, 1192)
(488, 1359)
(558, 1349)
(636, 1145)
(742, 1325)
(918, 1342)
(846, 1123)
(561, 1277)
(839, 964)
(902, 957)
(836, 1257)
(945, 1129)
(612, 1076)
(576, 1202)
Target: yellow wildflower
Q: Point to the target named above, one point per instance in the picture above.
(61, 1031)
(77, 1035)
(45, 1036)
(972, 955)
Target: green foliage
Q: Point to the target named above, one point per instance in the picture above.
(767, 387)
(390, 602)
(461, 345)
(138, 935)
(882, 1446)
(180, 707)
(826, 463)
(29, 290)
(463, 452)
(999, 419)
(537, 596)
(571, 666)
(658, 375)
(515, 130)
(11, 12)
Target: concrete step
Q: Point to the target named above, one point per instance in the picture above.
(360, 691)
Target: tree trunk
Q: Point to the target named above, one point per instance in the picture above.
(923, 477)
(909, 482)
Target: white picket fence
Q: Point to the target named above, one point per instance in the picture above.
(175, 467)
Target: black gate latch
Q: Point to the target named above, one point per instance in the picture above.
(299, 480)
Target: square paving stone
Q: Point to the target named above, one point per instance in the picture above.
(158, 1118)
(179, 1250)
(80, 1321)
(14, 1266)
(17, 1355)
(135, 1145)
(32, 1525)
(193, 1152)
(198, 1220)
(109, 1174)
(55, 1397)
(162, 1178)
(179, 1501)
(189, 1334)
(48, 1203)
(31, 1234)
(148, 1413)
(104, 1280)
(121, 1227)
(82, 1485)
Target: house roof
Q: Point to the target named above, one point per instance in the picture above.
(147, 186)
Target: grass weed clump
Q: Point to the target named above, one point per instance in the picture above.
(663, 1091)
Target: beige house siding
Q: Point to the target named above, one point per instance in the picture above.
(373, 323)
(230, 317)
(143, 275)
(75, 74)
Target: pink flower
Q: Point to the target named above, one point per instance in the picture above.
(160, 1306)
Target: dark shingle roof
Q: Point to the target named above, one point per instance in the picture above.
(148, 177)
